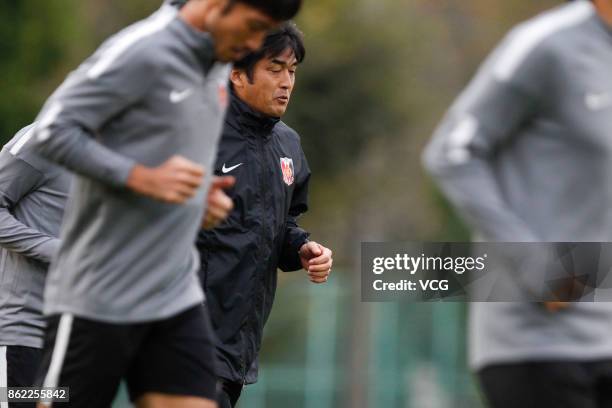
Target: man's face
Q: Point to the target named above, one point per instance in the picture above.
(238, 30)
(271, 86)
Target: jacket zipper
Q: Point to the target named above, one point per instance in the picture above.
(262, 191)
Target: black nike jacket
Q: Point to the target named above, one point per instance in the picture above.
(240, 257)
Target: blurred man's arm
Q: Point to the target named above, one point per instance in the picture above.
(88, 99)
(503, 96)
(72, 118)
(506, 94)
(17, 179)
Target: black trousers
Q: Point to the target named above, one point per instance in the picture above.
(21, 367)
(228, 393)
(548, 385)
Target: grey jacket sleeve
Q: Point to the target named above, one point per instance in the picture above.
(504, 95)
(98, 91)
(17, 179)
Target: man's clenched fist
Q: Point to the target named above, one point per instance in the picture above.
(317, 260)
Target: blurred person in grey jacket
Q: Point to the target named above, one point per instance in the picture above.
(525, 155)
(138, 122)
(33, 195)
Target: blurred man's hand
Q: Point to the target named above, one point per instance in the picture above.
(554, 307)
(219, 204)
(317, 260)
(174, 181)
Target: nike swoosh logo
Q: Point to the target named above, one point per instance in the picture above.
(180, 96)
(598, 101)
(228, 169)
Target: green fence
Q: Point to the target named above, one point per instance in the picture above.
(415, 352)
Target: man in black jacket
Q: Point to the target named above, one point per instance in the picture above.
(241, 256)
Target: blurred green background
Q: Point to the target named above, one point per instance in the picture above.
(378, 76)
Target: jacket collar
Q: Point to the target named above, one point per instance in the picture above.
(242, 115)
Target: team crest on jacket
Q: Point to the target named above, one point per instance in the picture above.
(287, 168)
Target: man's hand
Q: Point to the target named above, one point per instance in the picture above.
(555, 306)
(175, 181)
(219, 204)
(317, 260)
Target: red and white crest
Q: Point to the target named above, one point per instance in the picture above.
(287, 168)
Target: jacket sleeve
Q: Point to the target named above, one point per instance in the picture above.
(507, 93)
(17, 179)
(295, 236)
(504, 95)
(69, 124)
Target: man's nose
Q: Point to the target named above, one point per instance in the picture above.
(286, 81)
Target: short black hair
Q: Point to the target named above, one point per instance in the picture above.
(279, 10)
(275, 43)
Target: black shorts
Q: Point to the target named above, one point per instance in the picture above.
(18, 367)
(561, 384)
(172, 356)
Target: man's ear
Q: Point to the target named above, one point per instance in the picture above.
(238, 78)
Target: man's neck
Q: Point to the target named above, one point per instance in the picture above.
(604, 8)
(243, 100)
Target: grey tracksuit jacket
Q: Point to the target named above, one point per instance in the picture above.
(150, 92)
(33, 195)
(525, 154)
